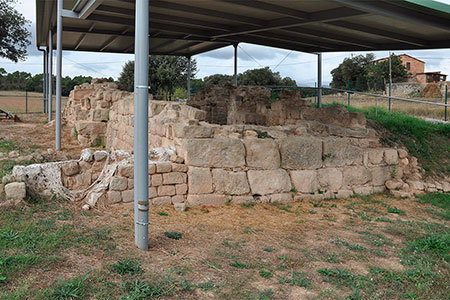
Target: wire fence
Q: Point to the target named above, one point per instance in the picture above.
(23, 102)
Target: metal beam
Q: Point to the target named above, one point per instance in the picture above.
(285, 11)
(379, 32)
(89, 8)
(235, 78)
(112, 40)
(59, 46)
(319, 79)
(189, 79)
(188, 45)
(50, 75)
(83, 37)
(398, 12)
(206, 12)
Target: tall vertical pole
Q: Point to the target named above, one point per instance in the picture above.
(348, 92)
(58, 73)
(141, 50)
(446, 98)
(26, 101)
(235, 78)
(50, 75)
(44, 82)
(319, 80)
(390, 80)
(189, 79)
(315, 92)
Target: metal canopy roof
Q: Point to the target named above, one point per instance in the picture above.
(189, 27)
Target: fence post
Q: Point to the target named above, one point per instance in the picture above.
(446, 98)
(315, 92)
(348, 93)
(26, 101)
(390, 94)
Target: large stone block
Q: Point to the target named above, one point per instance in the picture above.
(391, 156)
(330, 178)
(269, 181)
(192, 132)
(230, 183)
(304, 181)
(356, 176)
(166, 190)
(262, 153)
(380, 175)
(219, 153)
(126, 171)
(199, 181)
(298, 152)
(118, 184)
(174, 178)
(206, 200)
(70, 169)
(376, 156)
(340, 152)
(15, 191)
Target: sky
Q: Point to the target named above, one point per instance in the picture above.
(302, 67)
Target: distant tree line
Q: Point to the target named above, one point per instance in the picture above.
(23, 81)
(363, 73)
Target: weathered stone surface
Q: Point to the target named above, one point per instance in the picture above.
(199, 180)
(416, 185)
(128, 196)
(230, 183)
(118, 184)
(206, 200)
(174, 178)
(356, 176)
(262, 153)
(181, 189)
(301, 153)
(269, 181)
(70, 169)
(304, 181)
(100, 155)
(152, 192)
(446, 187)
(363, 190)
(156, 180)
(114, 197)
(151, 169)
(219, 153)
(131, 183)
(164, 167)
(376, 156)
(162, 201)
(391, 156)
(179, 206)
(343, 194)
(192, 132)
(179, 168)
(380, 175)
(126, 171)
(402, 153)
(330, 178)
(15, 191)
(285, 197)
(166, 190)
(340, 152)
(403, 162)
(394, 184)
(178, 198)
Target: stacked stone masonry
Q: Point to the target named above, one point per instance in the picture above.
(236, 146)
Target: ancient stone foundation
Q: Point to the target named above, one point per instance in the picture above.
(241, 148)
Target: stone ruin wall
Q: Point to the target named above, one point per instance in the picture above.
(315, 154)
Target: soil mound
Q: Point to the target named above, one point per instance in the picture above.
(431, 91)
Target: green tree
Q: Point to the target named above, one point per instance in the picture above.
(354, 70)
(263, 76)
(378, 73)
(14, 35)
(217, 79)
(166, 73)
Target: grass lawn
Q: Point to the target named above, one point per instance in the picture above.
(372, 247)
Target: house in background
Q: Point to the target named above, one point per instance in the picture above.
(416, 70)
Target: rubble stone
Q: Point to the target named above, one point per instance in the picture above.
(15, 191)
(70, 169)
(118, 184)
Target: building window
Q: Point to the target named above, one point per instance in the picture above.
(408, 66)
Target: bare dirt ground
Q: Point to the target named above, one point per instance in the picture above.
(34, 134)
(334, 249)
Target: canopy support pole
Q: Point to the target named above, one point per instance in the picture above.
(58, 74)
(319, 79)
(235, 64)
(44, 82)
(141, 51)
(50, 75)
(189, 79)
